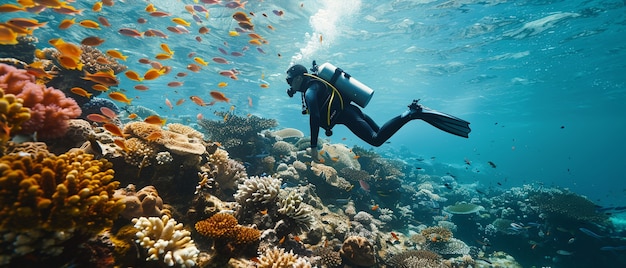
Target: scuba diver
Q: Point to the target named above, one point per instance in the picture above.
(327, 94)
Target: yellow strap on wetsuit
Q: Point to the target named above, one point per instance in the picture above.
(332, 95)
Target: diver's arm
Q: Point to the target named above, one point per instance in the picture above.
(314, 113)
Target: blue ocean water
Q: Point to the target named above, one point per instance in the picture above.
(542, 82)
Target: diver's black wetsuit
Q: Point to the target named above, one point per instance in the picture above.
(359, 123)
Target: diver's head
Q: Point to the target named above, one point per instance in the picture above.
(296, 79)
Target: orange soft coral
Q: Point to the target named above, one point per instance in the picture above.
(50, 108)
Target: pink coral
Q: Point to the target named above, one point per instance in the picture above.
(50, 108)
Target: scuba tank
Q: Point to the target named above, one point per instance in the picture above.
(349, 87)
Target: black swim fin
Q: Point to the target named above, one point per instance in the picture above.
(443, 121)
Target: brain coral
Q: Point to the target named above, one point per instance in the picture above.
(50, 108)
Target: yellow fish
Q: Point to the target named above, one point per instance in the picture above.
(200, 61)
(116, 54)
(222, 84)
(132, 75)
(7, 36)
(233, 33)
(117, 96)
(66, 23)
(167, 49)
(89, 24)
(181, 22)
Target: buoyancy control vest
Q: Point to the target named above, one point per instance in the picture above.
(342, 88)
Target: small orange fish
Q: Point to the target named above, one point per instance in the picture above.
(155, 120)
(108, 112)
(106, 78)
(169, 103)
(102, 60)
(154, 136)
(132, 116)
(116, 54)
(90, 24)
(181, 21)
(98, 118)
(66, 23)
(26, 23)
(204, 30)
(150, 8)
(104, 21)
(194, 68)
(163, 56)
(197, 100)
(200, 61)
(335, 159)
(117, 96)
(263, 212)
(297, 239)
(99, 87)
(255, 42)
(121, 143)
(219, 96)
(6, 8)
(222, 84)
(70, 63)
(113, 129)
(81, 92)
(175, 84)
(356, 156)
(97, 7)
(264, 85)
(166, 49)
(132, 75)
(141, 87)
(152, 74)
(282, 240)
(395, 236)
(93, 41)
(374, 208)
(179, 102)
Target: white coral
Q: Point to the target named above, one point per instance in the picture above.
(165, 238)
(299, 212)
(258, 190)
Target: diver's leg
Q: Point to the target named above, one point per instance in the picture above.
(358, 123)
(371, 122)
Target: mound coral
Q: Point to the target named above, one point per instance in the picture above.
(47, 200)
(230, 238)
(358, 251)
(50, 108)
(143, 203)
(450, 247)
(166, 239)
(12, 116)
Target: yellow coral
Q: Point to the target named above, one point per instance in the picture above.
(71, 191)
(12, 115)
(230, 239)
(217, 226)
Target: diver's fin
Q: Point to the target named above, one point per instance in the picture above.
(443, 121)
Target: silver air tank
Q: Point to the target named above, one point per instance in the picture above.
(349, 87)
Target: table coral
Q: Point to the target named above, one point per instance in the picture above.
(166, 239)
(49, 199)
(50, 108)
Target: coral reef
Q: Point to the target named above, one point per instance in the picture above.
(167, 240)
(143, 203)
(416, 258)
(297, 215)
(329, 175)
(50, 108)
(437, 234)
(464, 208)
(567, 207)
(230, 238)
(226, 172)
(339, 156)
(278, 258)
(12, 115)
(358, 251)
(238, 134)
(257, 193)
(49, 199)
(177, 143)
